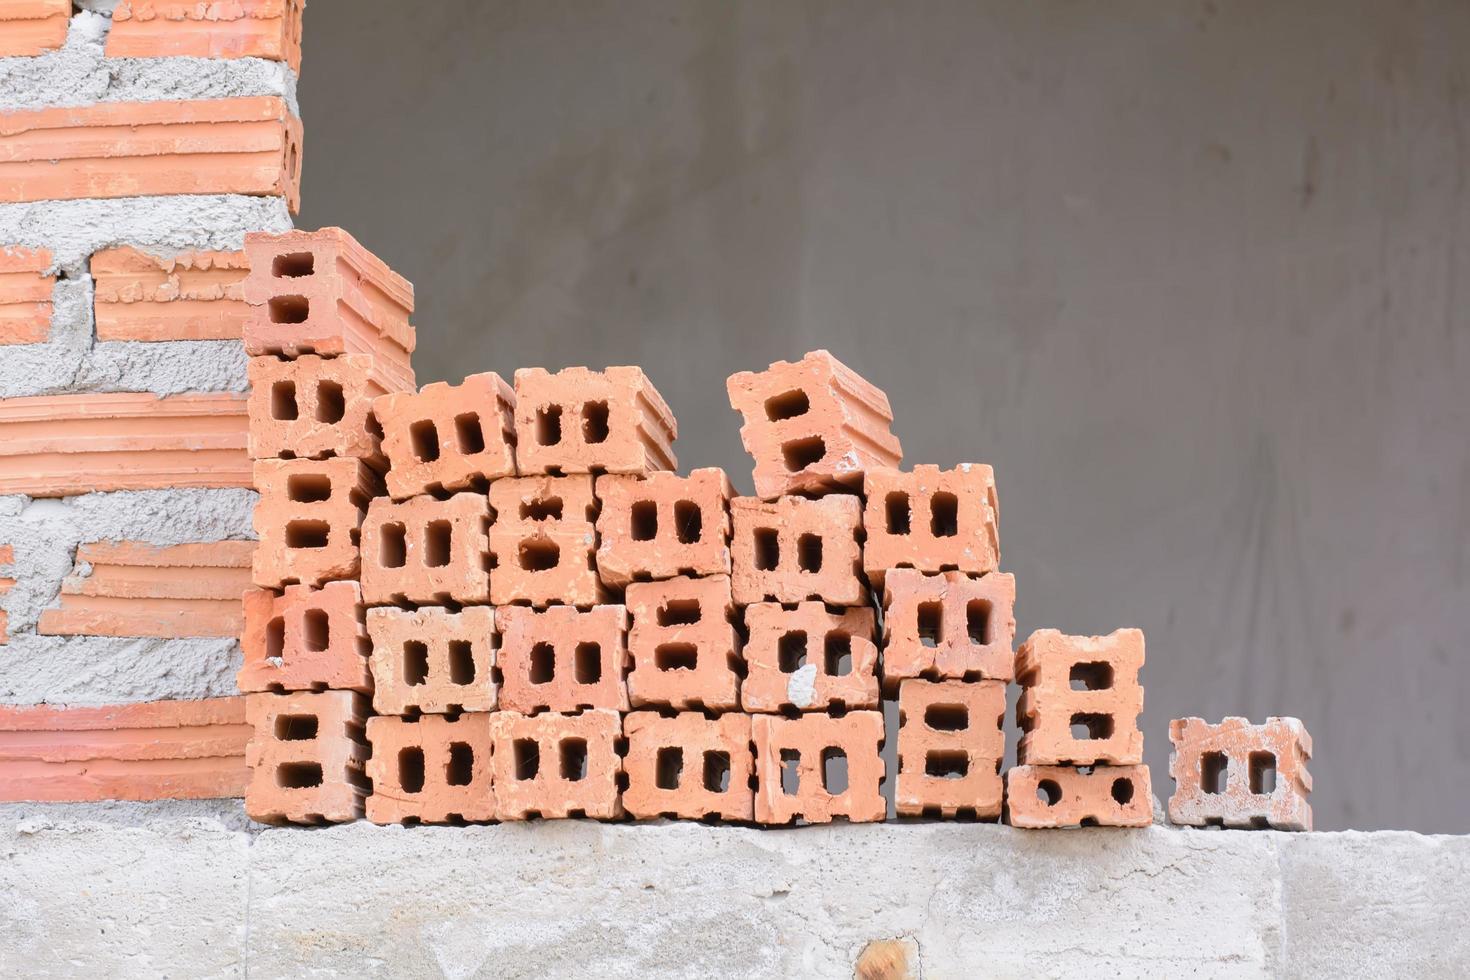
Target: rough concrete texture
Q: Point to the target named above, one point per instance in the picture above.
(79, 74)
(136, 893)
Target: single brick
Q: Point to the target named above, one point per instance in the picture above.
(64, 445)
(1043, 797)
(583, 421)
(306, 757)
(809, 658)
(932, 520)
(430, 770)
(32, 27)
(688, 766)
(662, 525)
(314, 408)
(269, 29)
(1236, 774)
(25, 292)
(793, 549)
(563, 659)
(818, 767)
(812, 425)
(448, 437)
(684, 649)
(433, 661)
(321, 292)
(543, 542)
(949, 625)
(950, 748)
(249, 145)
(305, 640)
(1080, 699)
(189, 296)
(309, 519)
(424, 550)
(550, 765)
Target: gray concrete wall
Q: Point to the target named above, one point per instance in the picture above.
(1191, 276)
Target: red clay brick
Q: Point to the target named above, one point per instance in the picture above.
(424, 550)
(1236, 774)
(812, 749)
(32, 27)
(949, 625)
(448, 437)
(314, 408)
(543, 542)
(556, 765)
(793, 549)
(809, 658)
(320, 292)
(688, 766)
(582, 421)
(430, 770)
(812, 425)
(433, 661)
(1080, 699)
(684, 649)
(268, 29)
(305, 640)
(309, 519)
(1044, 797)
(950, 747)
(7, 558)
(306, 757)
(25, 292)
(662, 525)
(189, 296)
(563, 659)
(932, 520)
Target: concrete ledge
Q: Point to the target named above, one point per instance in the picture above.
(189, 892)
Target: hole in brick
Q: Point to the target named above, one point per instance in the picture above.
(717, 771)
(411, 769)
(548, 425)
(283, 401)
(393, 549)
(1088, 727)
(977, 621)
(787, 406)
(834, 770)
(1094, 676)
(307, 534)
(644, 521)
(669, 767)
(293, 265)
(767, 549)
(809, 552)
(838, 654)
(801, 453)
(527, 752)
(415, 663)
(791, 651)
(316, 631)
(461, 662)
(944, 515)
(1263, 772)
(573, 753)
(275, 638)
(676, 656)
(790, 771)
(896, 506)
(425, 439)
(1088, 822)
(298, 775)
(331, 404)
(438, 539)
(543, 663)
(947, 717)
(1048, 792)
(296, 728)
(541, 509)
(308, 488)
(1122, 790)
(289, 309)
(594, 422)
(460, 769)
(679, 612)
(587, 663)
(539, 554)
(946, 765)
(1214, 772)
(688, 521)
(931, 623)
(469, 434)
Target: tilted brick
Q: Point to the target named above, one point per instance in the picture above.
(582, 421)
(661, 525)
